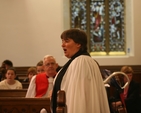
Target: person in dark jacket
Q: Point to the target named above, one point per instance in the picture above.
(131, 94)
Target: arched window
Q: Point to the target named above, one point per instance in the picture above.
(104, 22)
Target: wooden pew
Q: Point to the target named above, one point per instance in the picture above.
(25, 85)
(12, 93)
(61, 102)
(14, 101)
(24, 105)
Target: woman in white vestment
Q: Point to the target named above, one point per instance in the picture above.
(80, 77)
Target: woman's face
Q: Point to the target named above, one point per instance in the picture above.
(70, 47)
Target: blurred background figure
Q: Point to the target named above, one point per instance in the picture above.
(30, 73)
(40, 67)
(129, 97)
(9, 82)
(4, 66)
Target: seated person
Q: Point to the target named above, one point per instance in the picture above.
(41, 84)
(40, 67)
(4, 66)
(10, 82)
(30, 73)
(131, 94)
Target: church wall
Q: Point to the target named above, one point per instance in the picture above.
(30, 29)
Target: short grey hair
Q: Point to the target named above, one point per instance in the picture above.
(48, 56)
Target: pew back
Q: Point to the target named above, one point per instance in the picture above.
(25, 85)
(24, 105)
(12, 93)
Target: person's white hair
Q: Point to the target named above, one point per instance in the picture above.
(48, 56)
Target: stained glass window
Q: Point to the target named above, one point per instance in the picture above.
(103, 21)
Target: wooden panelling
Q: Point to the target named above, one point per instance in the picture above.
(24, 105)
(13, 92)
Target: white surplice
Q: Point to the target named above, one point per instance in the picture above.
(31, 92)
(84, 87)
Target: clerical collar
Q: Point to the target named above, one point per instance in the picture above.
(52, 76)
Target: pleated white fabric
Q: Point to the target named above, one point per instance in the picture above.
(31, 92)
(84, 87)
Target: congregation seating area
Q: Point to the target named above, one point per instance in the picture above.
(14, 101)
(22, 72)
